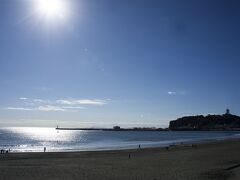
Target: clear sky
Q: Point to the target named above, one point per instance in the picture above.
(98, 63)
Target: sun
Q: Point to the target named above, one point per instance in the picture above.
(51, 9)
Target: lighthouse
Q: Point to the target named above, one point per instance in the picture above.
(227, 111)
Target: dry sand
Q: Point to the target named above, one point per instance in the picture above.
(212, 160)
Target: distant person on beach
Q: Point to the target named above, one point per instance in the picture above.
(44, 149)
(139, 146)
(129, 156)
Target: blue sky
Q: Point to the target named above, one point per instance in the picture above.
(128, 63)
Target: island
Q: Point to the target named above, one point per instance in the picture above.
(226, 121)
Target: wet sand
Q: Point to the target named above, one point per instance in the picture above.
(212, 160)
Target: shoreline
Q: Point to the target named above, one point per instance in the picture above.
(135, 146)
(173, 145)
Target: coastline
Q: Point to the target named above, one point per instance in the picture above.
(35, 139)
(204, 160)
(184, 138)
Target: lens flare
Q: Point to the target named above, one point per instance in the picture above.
(52, 9)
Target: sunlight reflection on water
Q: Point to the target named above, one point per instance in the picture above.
(34, 139)
(44, 134)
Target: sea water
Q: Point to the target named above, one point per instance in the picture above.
(32, 139)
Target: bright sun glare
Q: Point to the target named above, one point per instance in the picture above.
(52, 9)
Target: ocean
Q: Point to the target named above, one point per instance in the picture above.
(32, 139)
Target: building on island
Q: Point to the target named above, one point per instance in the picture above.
(227, 111)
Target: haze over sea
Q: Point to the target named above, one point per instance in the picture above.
(33, 139)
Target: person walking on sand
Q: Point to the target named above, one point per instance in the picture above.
(139, 146)
(44, 149)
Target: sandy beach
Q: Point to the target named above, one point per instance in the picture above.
(211, 160)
